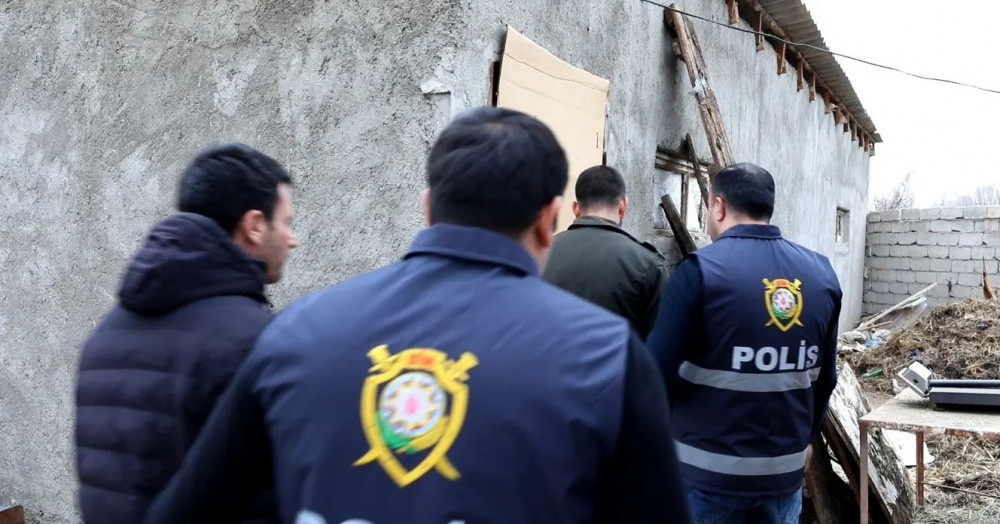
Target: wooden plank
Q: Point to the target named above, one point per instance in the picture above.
(700, 176)
(867, 324)
(734, 11)
(708, 105)
(910, 412)
(833, 500)
(758, 26)
(801, 78)
(13, 515)
(890, 489)
(681, 234)
(685, 196)
(812, 87)
(780, 52)
(988, 292)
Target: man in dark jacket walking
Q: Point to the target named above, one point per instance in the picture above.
(597, 260)
(191, 306)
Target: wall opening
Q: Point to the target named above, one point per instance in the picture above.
(843, 225)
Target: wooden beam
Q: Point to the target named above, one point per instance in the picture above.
(782, 66)
(681, 235)
(758, 26)
(734, 11)
(708, 106)
(700, 176)
(801, 78)
(812, 87)
(685, 197)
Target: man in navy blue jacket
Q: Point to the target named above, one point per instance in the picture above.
(746, 338)
(453, 386)
(190, 308)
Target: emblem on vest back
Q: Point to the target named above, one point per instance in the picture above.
(784, 303)
(406, 410)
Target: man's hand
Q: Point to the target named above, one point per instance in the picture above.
(809, 457)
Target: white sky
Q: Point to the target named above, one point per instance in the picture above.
(944, 134)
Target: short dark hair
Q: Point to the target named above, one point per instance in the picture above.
(494, 168)
(748, 190)
(600, 186)
(226, 181)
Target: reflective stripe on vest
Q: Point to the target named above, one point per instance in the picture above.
(744, 466)
(751, 382)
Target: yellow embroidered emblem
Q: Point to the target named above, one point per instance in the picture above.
(783, 300)
(405, 409)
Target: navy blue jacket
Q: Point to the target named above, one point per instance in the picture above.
(454, 386)
(190, 308)
(746, 338)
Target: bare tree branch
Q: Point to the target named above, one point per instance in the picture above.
(899, 198)
(981, 196)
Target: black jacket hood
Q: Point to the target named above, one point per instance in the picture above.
(186, 258)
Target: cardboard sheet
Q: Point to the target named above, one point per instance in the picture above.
(571, 101)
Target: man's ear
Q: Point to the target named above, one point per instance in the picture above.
(576, 209)
(719, 210)
(426, 201)
(547, 223)
(252, 228)
(622, 208)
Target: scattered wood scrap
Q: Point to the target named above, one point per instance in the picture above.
(988, 292)
(13, 515)
(901, 305)
(890, 483)
(833, 501)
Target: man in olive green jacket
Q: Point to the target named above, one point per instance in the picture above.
(597, 260)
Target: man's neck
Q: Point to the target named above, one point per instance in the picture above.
(606, 214)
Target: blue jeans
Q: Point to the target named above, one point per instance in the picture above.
(709, 508)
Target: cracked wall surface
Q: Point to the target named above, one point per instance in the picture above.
(105, 101)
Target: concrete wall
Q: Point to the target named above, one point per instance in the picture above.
(105, 102)
(910, 249)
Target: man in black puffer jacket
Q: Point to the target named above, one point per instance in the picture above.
(190, 308)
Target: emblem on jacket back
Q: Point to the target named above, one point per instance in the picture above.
(406, 410)
(783, 300)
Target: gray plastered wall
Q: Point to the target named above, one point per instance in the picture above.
(106, 101)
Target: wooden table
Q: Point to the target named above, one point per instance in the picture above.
(912, 413)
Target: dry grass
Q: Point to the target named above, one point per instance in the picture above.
(959, 340)
(967, 464)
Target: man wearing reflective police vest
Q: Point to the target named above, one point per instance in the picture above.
(455, 386)
(746, 339)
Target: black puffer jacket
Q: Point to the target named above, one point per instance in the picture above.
(190, 308)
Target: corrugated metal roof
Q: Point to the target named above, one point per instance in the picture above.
(795, 20)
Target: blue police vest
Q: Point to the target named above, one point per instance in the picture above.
(454, 386)
(743, 411)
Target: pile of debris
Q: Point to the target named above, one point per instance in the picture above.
(960, 340)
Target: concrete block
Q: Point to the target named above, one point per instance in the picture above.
(991, 239)
(970, 239)
(984, 253)
(974, 212)
(884, 216)
(920, 264)
(993, 212)
(916, 251)
(990, 266)
(961, 266)
(899, 263)
(946, 239)
(915, 287)
(921, 226)
(939, 291)
(940, 264)
(991, 225)
(970, 279)
(960, 253)
(921, 277)
(879, 287)
(959, 292)
(906, 239)
(906, 277)
(951, 213)
(883, 227)
(877, 263)
(909, 214)
(899, 251)
(938, 251)
(889, 275)
(870, 296)
(942, 226)
(880, 250)
(899, 288)
(869, 227)
(930, 214)
(927, 239)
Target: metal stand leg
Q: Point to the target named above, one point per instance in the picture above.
(863, 461)
(920, 468)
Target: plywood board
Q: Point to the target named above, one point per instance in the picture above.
(571, 101)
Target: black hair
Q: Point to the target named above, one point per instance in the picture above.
(748, 189)
(600, 186)
(494, 168)
(226, 181)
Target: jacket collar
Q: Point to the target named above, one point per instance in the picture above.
(473, 244)
(598, 222)
(761, 231)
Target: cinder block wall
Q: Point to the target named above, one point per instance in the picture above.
(909, 249)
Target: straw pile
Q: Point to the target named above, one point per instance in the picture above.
(958, 340)
(967, 464)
